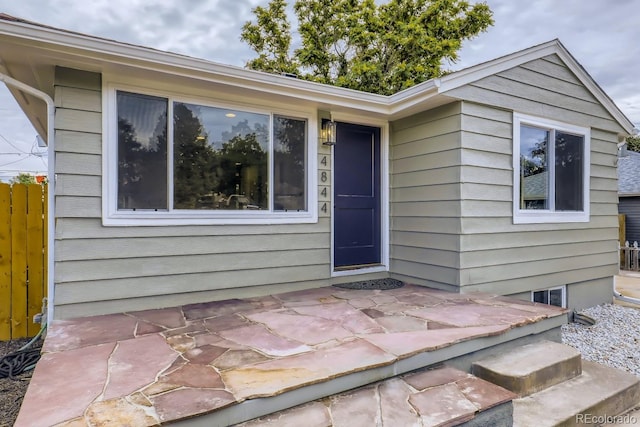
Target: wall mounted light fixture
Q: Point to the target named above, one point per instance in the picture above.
(328, 132)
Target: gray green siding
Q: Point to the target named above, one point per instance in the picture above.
(109, 269)
(544, 88)
(425, 169)
(450, 204)
(501, 257)
(452, 188)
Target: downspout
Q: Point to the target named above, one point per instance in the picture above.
(51, 110)
(617, 295)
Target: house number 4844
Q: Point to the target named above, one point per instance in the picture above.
(324, 177)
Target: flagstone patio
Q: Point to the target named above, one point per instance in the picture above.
(235, 360)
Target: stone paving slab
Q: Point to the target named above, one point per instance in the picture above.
(164, 365)
(437, 397)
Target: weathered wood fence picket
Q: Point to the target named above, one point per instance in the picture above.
(629, 257)
(23, 258)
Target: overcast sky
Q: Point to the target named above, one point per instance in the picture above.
(603, 35)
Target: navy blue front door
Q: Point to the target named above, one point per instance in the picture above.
(356, 195)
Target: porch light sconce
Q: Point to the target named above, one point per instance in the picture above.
(328, 132)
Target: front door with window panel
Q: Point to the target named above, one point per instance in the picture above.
(357, 223)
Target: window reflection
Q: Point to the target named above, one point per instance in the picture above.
(220, 158)
(289, 164)
(142, 151)
(567, 170)
(534, 171)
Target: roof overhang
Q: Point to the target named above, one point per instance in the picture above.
(30, 52)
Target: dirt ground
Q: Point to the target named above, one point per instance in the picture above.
(12, 390)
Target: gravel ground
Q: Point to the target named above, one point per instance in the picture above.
(614, 340)
(12, 391)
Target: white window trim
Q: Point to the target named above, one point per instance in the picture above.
(563, 288)
(111, 216)
(525, 216)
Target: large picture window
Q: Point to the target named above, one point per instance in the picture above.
(178, 159)
(551, 171)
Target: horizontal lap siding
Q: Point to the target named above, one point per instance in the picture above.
(78, 128)
(118, 295)
(163, 246)
(554, 93)
(109, 269)
(425, 195)
(502, 257)
(542, 280)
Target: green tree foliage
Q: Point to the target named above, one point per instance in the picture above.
(361, 45)
(194, 159)
(203, 174)
(270, 37)
(142, 182)
(537, 163)
(633, 143)
(24, 178)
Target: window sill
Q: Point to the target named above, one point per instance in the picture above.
(150, 219)
(533, 217)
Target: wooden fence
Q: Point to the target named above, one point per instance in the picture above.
(629, 259)
(23, 258)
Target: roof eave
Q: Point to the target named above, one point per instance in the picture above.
(169, 62)
(477, 72)
(427, 94)
(595, 89)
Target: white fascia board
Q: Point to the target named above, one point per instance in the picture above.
(586, 79)
(486, 69)
(413, 96)
(89, 47)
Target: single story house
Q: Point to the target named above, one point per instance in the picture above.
(179, 180)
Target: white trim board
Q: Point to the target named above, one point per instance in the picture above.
(102, 55)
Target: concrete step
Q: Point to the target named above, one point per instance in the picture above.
(599, 392)
(434, 397)
(530, 368)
